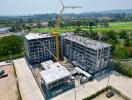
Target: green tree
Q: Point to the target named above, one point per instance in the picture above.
(112, 35)
(122, 34)
(91, 24)
(78, 30)
(120, 53)
(12, 44)
(104, 23)
(84, 22)
(128, 42)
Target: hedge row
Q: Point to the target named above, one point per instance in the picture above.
(4, 58)
(97, 93)
(124, 70)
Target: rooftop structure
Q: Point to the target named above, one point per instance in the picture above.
(4, 30)
(46, 64)
(32, 36)
(91, 55)
(87, 42)
(54, 73)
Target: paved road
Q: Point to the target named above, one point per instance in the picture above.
(27, 84)
(121, 83)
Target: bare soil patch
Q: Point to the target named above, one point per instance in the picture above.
(8, 85)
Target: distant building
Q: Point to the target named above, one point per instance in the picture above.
(38, 45)
(90, 55)
(44, 24)
(4, 30)
(34, 25)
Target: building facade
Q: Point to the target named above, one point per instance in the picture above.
(92, 56)
(38, 45)
(50, 78)
(5, 30)
(55, 79)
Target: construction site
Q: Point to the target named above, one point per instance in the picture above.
(64, 61)
(61, 61)
(49, 50)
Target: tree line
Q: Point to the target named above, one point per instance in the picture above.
(11, 45)
(121, 41)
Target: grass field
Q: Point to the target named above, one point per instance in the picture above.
(127, 26)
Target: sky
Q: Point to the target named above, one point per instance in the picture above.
(29, 7)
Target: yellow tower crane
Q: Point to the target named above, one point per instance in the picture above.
(55, 32)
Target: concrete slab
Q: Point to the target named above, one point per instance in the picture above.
(28, 87)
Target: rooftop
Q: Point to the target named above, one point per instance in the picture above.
(86, 41)
(5, 29)
(46, 64)
(83, 72)
(32, 36)
(54, 73)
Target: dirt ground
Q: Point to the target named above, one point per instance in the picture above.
(8, 85)
(103, 97)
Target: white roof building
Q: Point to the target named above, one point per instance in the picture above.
(32, 36)
(46, 64)
(4, 30)
(54, 73)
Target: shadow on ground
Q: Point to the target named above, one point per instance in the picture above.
(103, 76)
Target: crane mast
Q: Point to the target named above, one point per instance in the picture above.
(55, 32)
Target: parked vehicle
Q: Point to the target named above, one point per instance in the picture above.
(3, 74)
(83, 80)
(8, 61)
(109, 94)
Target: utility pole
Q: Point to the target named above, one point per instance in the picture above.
(108, 79)
(75, 94)
(10, 56)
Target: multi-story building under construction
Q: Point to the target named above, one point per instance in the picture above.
(88, 54)
(40, 47)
